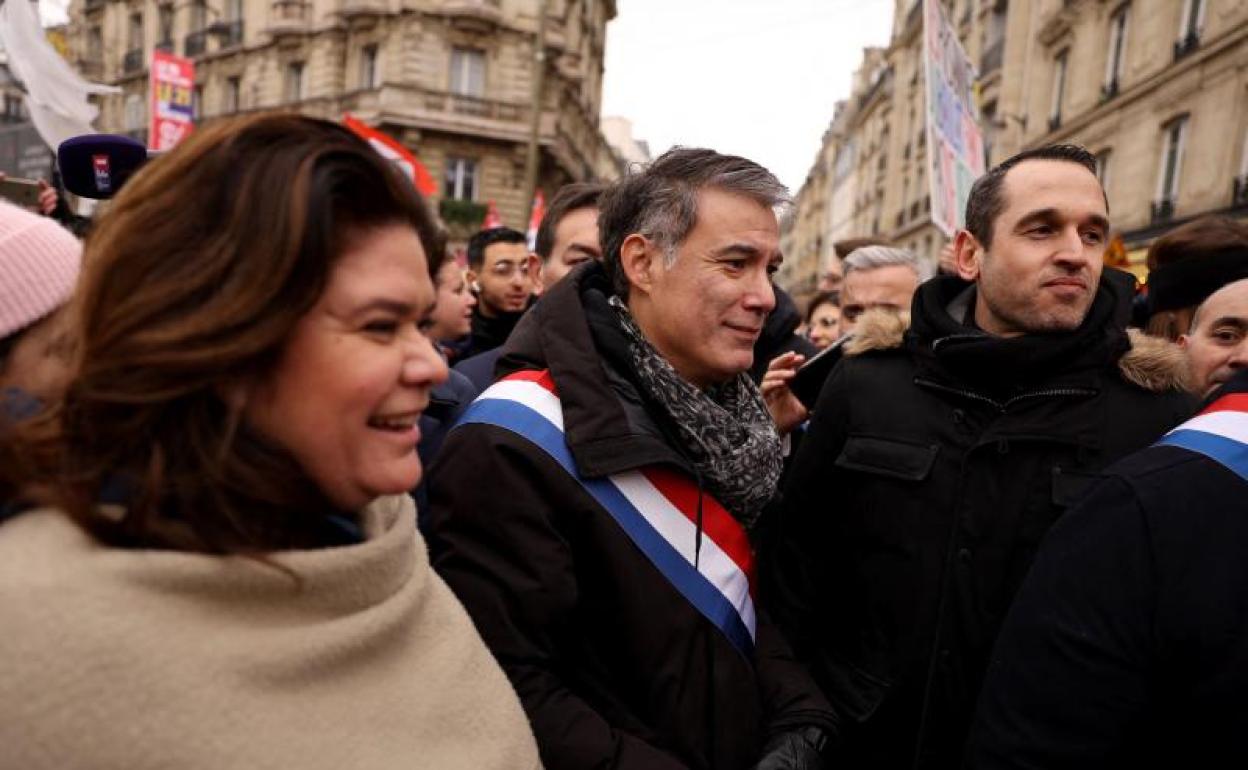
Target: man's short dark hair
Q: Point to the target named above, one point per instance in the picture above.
(660, 202)
(486, 238)
(569, 198)
(987, 198)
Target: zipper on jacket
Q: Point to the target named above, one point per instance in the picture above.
(1003, 406)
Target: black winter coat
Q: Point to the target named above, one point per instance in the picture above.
(925, 482)
(614, 667)
(1127, 646)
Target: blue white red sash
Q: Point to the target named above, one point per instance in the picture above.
(1220, 432)
(657, 508)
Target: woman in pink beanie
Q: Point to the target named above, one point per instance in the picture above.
(39, 263)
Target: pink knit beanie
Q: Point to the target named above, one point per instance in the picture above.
(39, 262)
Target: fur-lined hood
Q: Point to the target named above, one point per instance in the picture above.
(1152, 363)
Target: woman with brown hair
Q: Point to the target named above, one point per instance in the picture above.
(217, 565)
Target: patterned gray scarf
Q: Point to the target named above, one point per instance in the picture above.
(726, 430)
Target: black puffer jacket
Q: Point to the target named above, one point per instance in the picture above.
(1125, 647)
(614, 667)
(929, 474)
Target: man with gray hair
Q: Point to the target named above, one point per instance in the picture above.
(880, 277)
(593, 510)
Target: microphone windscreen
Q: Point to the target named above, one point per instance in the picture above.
(97, 165)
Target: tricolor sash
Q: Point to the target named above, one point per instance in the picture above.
(1219, 432)
(657, 508)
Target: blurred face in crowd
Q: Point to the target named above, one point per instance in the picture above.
(37, 361)
(833, 275)
(890, 288)
(1042, 268)
(825, 325)
(506, 279)
(452, 316)
(705, 311)
(353, 379)
(1217, 346)
(576, 241)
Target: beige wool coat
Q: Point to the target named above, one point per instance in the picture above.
(138, 659)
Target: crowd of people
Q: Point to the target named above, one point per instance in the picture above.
(284, 483)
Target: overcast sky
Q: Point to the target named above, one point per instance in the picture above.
(752, 77)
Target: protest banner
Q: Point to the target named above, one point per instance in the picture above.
(172, 109)
(955, 142)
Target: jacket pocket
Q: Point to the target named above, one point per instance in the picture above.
(888, 457)
(1071, 486)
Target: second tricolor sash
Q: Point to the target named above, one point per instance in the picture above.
(1219, 432)
(657, 508)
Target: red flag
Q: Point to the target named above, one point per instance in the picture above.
(535, 219)
(392, 150)
(492, 219)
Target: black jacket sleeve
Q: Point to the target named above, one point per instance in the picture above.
(1068, 678)
(496, 542)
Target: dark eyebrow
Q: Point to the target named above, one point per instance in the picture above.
(744, 249)
(388, 305)
(1239, 323)
(1051, 214)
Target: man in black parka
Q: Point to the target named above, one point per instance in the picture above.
(1127, 646)
(593, 509)
(934, 465)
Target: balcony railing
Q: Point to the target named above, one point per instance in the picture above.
(132, 61)
(1109, 90)
(1161, 211)
(93, 5)
(991, 60)
(195, 43)
(1239, 191)
(288, 16)
(1186, 45)
(229, 33)
(473, 106)
(351, 8)
(165, 45)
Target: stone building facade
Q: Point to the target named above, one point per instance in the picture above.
(451, 79)
(1157, 89)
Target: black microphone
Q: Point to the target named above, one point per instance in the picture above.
(97, 165)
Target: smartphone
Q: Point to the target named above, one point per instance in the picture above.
(22, 192)
(808, 381)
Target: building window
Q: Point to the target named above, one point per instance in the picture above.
(95, 44)
(1174, 135)
(234, 10)
(1117, 51)
(1240, 187)
(294, 81)
(230, 97)
(1190, 24)
(164, 17)
(1059, 89)
(199, 15)
(467, 72)
(1102, 168)
(134, 115)
(134, 32)
(461, 179)
(368, 67)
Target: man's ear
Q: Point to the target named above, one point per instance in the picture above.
(1183, 340)
(470, 277)
(536, 266)
(637, 260)
(968, 255)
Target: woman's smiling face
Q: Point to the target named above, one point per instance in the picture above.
(356, 373)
